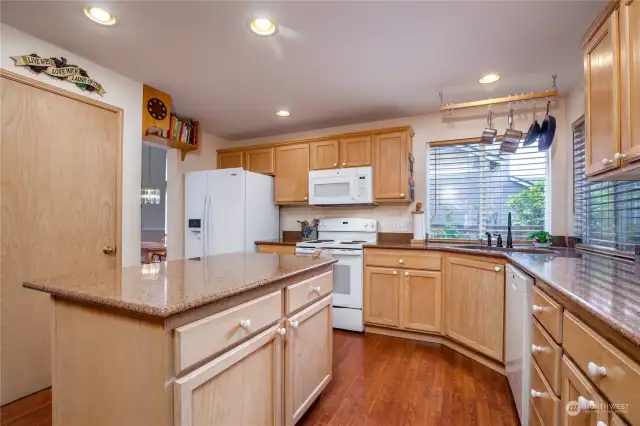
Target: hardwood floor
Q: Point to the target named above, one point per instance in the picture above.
(378, 380)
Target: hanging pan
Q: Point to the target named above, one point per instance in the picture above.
(512, 137)
(534, 130)
(547, 130)
(488, 134)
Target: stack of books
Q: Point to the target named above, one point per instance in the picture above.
(183, 130)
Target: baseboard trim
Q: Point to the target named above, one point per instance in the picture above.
(440, 340)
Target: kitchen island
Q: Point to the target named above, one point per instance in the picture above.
(236, 339)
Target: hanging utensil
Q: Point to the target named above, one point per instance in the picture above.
(512, 137)
(547, 130)
(489, 134)
(534, 130)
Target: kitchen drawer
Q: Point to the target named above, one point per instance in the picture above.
(548, 312)
(403, 259)
(199, 340)
(620, 383)
(548, 355)
(307, 291)
(277, 249)
(545, 402)
(577, 390)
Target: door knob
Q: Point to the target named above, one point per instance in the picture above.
(618, 156)
(607, 162)
(401, 261)
(294, 323)
(282, 331)
(402, 194)
(335, 164)
(498, 269)
(596, 370)
(535, 394)
(406, 274)
(537, 309)
(395, 272)
(344, 164)
(306, 198)
(246, 324)
(108, 249)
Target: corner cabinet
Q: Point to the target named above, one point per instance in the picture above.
(393, 167)
(248, 375)
(308, 358)
(292, 174)
(474, 305)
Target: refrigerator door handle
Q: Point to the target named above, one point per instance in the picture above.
(205, 227)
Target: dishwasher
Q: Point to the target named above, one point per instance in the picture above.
(518, 338)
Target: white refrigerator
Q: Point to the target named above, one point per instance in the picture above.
(227, 210)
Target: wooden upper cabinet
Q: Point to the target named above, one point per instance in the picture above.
(602, 93)
(355, 151)
(324, 155)
(391, 166)
(630, 79)
(229, 160)
(422, 301)
(260, 160)
(292, 174)
(474, 304)
(382, 296)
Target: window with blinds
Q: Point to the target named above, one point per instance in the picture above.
(606, 214)
(473, 187)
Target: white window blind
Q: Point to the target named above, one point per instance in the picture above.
(606, 214)
(472, 188)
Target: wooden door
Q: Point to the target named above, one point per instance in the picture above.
(630, 78)
(60, 209)
(391, 167)
(355, 151)
(242, 387)
(292, 174)
(601, 69)
(474, 305)
(422, 303)
(577, 391)
(260, 160)
(230, 160)
(382, 296)
(324, 155)
(308, 358)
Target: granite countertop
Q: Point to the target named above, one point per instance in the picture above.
(168, 288)
(606, 287)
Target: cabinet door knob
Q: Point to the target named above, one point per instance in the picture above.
(406, 274)
(315, 289)
(246, 324)
(537, 349)
(618, 156)
(108, 249)
(400, 260)
(498, 269)
(395, 272)
(282, 331)
(537, 309)
(606, 162)
(535, 394)
(344, 164)
(335, 164)
(596, 370)
(294, 323)
(402, 194)
(585, 404)
(601, 423)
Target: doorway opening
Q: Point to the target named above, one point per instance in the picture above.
(153, 205)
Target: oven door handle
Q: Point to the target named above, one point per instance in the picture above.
(346, 252)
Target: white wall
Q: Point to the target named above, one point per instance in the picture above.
(204, 159)
(429, 128)
(121, 92)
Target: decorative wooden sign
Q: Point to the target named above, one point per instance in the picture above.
(60, 69)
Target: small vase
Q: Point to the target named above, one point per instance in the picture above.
(538, 244)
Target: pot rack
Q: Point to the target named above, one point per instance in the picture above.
(522, 98)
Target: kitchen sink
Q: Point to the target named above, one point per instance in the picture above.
(517, 249)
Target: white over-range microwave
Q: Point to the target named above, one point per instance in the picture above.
(341, 186)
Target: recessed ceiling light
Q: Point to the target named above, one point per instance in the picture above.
(263, 27)
(100, 16)
(283, 113)
(489, 78)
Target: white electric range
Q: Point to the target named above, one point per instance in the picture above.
(343, 238)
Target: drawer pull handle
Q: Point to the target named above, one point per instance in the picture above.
(537, 309)
(395, 272)
(585, 404)
(406, 274)
(596, 370)
(294, 323)
(344, 163)
(401, 261)
(601, 423)
(497, 269)
(246, 324)
(282, 331)
(315, 289)
(402, 194)
(536, 394)
(538, 349)
(335, 164)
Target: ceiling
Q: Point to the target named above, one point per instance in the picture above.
(331, 63)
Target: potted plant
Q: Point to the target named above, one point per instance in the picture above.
(542, 239)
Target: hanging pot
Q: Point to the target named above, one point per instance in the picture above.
(488, 134)
(512, 137)
(534, 130)
(547, 130)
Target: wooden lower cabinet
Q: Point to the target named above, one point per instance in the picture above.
(241, 387)
(308, 358)
(422, 301)
(474, 305)
(276, 248)
(382, 296)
